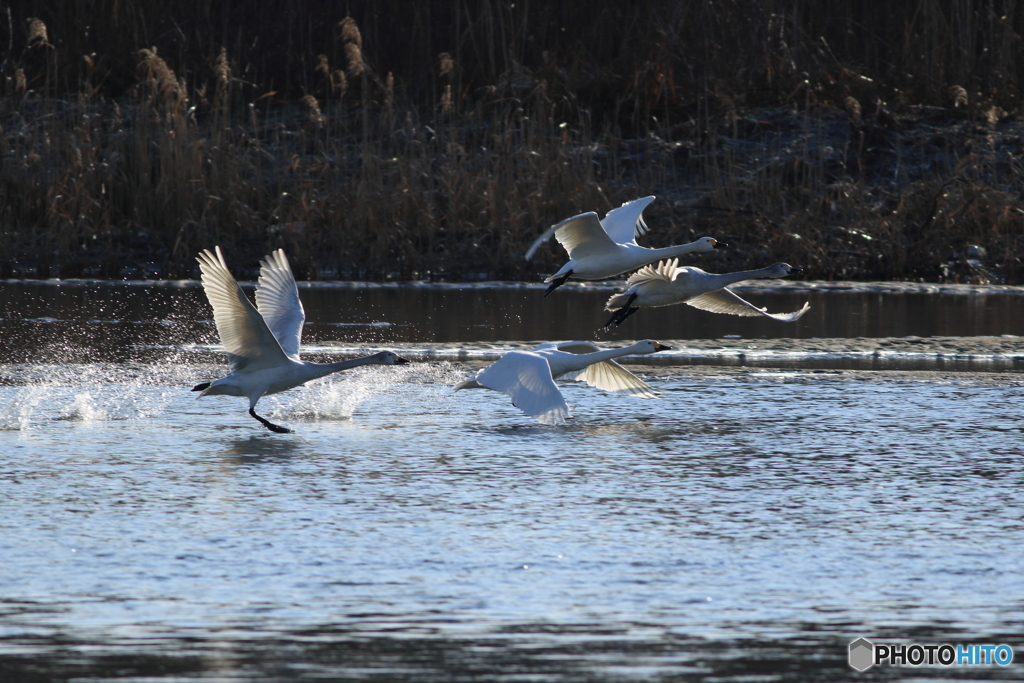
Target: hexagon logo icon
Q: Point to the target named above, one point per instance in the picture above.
(862, 654)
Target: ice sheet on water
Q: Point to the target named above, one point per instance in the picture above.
(736, 351)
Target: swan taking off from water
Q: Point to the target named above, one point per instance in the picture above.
(263, 345)
(600, 249)
(666, 284)
(528, 377)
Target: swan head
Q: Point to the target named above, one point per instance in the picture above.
(651, 346)
(709, 244)
(783, 269)
(390, 358)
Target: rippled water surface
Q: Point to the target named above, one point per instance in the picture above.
(746, 525)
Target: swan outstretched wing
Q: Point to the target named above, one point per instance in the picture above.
(621, 225)
(610, 376)
(277, 298)
(727, 301)
(242, 329)
(544, 237)
(626, 223)
(583, 235)
(605, 375)
(662, 271)
(526, 378)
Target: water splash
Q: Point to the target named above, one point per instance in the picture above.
(84, 393)
(331, 400)
(85, 409)
(17, 408)
(338, 397)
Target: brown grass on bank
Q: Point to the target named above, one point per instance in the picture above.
(768, 129)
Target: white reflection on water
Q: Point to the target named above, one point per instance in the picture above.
(742, 503)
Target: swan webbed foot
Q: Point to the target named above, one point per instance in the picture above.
(629, 311)
(278, 429)
(623, 313)
(201, 387)
(268, 424)
(620, 315)
(555, 284)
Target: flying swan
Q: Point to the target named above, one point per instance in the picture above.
(665, 284)
(600, 249)
(528, 377)
(263, 344)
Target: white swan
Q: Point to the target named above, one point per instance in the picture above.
(528, 377)
(263, 345)
(666, 284)
(600, 249)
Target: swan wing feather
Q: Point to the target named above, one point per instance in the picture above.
(610, 376)
(728, 302)
(583, 236)
(625, 223)
(277, 299)
(526, 378)
(662, 271)
(544, 237)
(243, 332)
(605, 375)
(621, 225)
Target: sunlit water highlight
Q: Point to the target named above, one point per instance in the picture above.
(746, 525)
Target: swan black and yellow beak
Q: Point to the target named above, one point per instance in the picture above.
(658, 346)
(718, 245)
(793, 270)
(401, 361)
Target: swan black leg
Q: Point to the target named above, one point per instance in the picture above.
(615, 318)
(629, 311)
(201, 387)
(268, 424)
(555, 284)
(623, 313)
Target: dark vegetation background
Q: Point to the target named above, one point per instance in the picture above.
(435, 139)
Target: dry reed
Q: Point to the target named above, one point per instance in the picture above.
(888, 150)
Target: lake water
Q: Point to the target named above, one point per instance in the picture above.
(745, 526)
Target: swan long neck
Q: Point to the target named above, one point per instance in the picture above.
(669, 252)
(726, 279)
(608, 354)
(316, 370)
